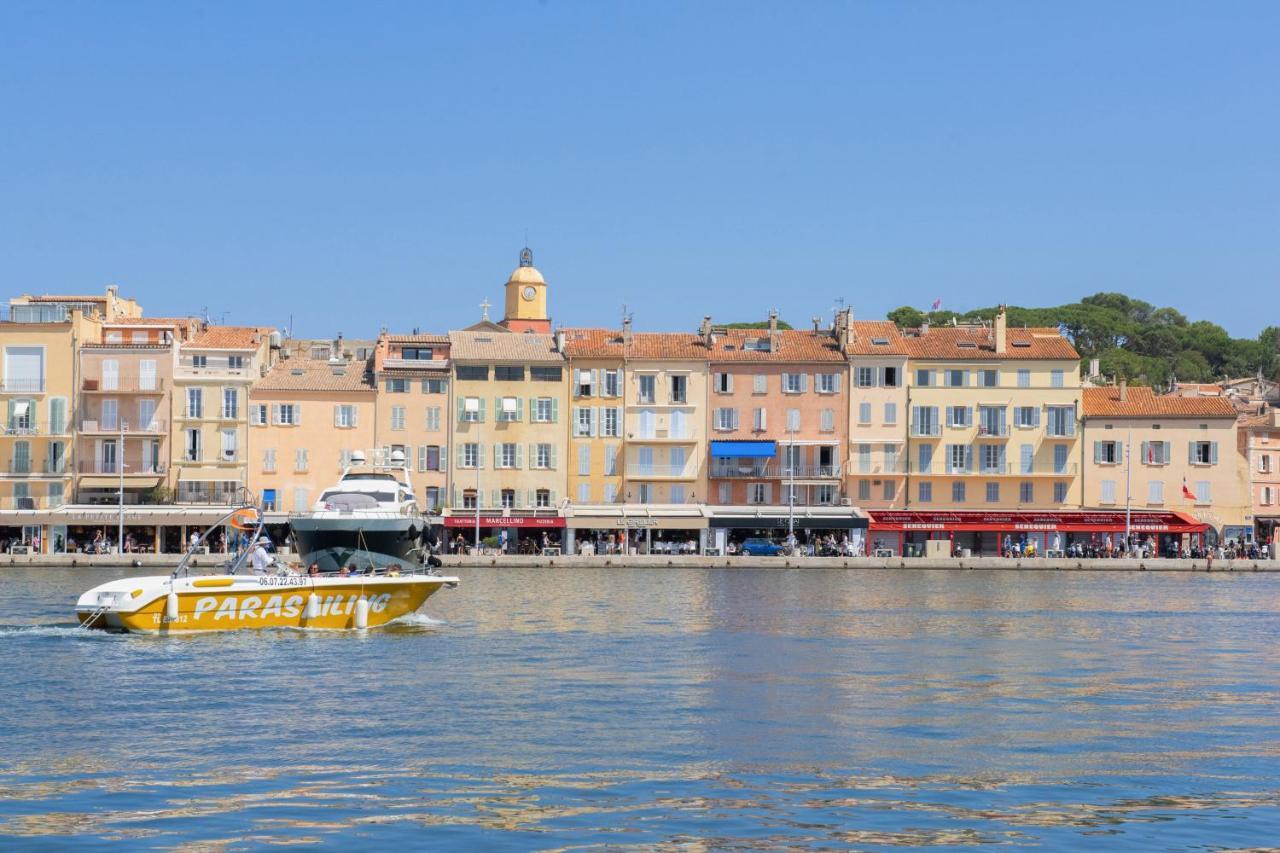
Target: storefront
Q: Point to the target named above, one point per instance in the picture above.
(78, 528)
(812, 525)
(636, 529)
(524, 532)
(991, 534)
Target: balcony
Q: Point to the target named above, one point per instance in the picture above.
(774, 470)
(1006, 469)
(123, 384)
(154, 427)
(187, 370)
(45, 467)
(666, 436)
(22, 428)
(993, 430)
(21, 386)
(661, 472)
(926, 430)
(92, 466)
(415, 363)
(30, 502)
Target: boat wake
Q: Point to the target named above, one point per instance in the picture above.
(22, 632)
(418, 620)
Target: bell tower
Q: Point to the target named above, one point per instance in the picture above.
(526, 309)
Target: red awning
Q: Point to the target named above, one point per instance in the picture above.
(1067, 522)
(504, 520)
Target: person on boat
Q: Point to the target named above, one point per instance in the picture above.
(261, 556)
(313, 569)
(393, 570)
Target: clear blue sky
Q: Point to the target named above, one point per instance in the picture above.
(367, 164)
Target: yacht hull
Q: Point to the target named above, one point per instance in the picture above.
(235, 602)
(336, 541)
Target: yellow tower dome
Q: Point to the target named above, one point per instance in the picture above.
(527, 298)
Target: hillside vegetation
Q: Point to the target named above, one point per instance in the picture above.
(1134, 339)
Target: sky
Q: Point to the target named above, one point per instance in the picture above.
(348, 167)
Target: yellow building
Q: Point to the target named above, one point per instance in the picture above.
(876, 466)
(306, 417)
(411, 373)
(526, 298)
(507, 434)
(597, 377)
(215, 369)
(992, 418)
(1142, 450)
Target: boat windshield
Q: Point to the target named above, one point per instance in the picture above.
(356, 500)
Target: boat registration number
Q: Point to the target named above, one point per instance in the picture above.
(286, 580)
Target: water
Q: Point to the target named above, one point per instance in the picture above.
(558, 709)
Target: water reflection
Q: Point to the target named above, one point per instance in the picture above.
(756, 708)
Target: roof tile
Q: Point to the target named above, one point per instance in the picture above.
(1143, 402)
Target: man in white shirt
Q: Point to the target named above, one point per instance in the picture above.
(261, 556)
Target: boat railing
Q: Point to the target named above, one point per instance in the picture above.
(239, 557)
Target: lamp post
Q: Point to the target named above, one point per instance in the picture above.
(120, 468)
(1128, 456)
(791, 487)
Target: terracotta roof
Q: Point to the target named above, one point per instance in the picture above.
(793, 345)
(151, 321)
(1199, 388)
(418, 339)
(592, 343)
(50, 298)
(867, 332)
(1143, 402)
(305, 374)
(228, 337)
(503, 346)
(976, 343)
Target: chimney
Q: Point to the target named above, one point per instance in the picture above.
(773, 323)
(1001, 330)
(817, 324)
(704, 331)
(337, 348)
(626, 329)
(1095, 368)
(559, 341)
(1124, 390)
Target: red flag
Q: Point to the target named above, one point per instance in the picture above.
(937, 303)
(1187, 493)
(1151, 454)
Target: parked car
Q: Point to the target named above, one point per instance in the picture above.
(758, 546)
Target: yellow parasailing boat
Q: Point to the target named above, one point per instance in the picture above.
(272, 596)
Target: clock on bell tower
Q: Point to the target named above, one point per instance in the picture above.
(526, 309)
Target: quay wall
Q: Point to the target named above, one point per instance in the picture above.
(163, 563)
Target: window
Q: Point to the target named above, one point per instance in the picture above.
(793, 420)
(545, 374)
(584, 493)
(1155, 452)
(793, 383)
(890, 490)
(1108, 452)
(416, 353)
(1268, 495)
(397, 417)
(1026, 417)
(433, 418)
(544, 456)
(610, 460)
(959, 417)
(759, 384)
(722, 383)
(1059, 459)
(864, 490)
(508, 455)
(989, 378)
(1264, 463)
(319, 353)
(584, 422)
(195, 402)
(258, 414)
(469, 499)
(1057, 378)
(1062, 421)
(472, 372)
(544, 410)
(429, 457)
(924, 378)
(959, 458)
(471, 410)
(890, 377)
(924, 421)
(828, 383)
(757, 493)
(993, 493)
(679, 388)
(724, 493)
(993, 459)
(956, 378)
(1024, 377)
(645, 493)
(864, 458)
(864, 413)
(507, 498)
(825, 494)
(584, 460)
(431, 497)
(890, 413)
(288, 414)
(890, 458)
(1202, 491)
(957, 492)
(925, 493)
(677, 494)
(509, 409)
(1155, 492)
(230, 404)
(1026, 493)
(866, 377)
(109, 415)
(200, 361)
(470, 455)
(435, 386)
(647, 385)
(726, 419)
(1204, 453)
(398, 386)
(827, 420)
(508, 373)
(1059, 493)
(58, 415)
(301, 459)
(924, 458)
(611, 423)
(542, 498)
(344, 416)
(991, 421)
(1107, 491)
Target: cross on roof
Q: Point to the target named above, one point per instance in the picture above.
(485, 306)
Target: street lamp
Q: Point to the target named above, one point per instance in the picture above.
(120, 463)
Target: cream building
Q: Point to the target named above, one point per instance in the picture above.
(597, 376)
(876, 464)
(1142, 450)
(1258, 441)
(306, 417)
(993, 417)
(411, 373)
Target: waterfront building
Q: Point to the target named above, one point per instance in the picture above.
(1165, 453)
(509, 394)
(311, 411)
(411, 374)
(876, 463)
(1258, 441)
(597, 377)
(216, 367)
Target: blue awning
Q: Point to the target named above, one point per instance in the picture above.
(743, 449)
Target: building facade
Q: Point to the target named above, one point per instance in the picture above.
(597, 376)
(413, 409)
(876, 464)
(1258, 441)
